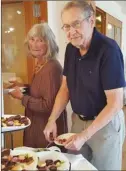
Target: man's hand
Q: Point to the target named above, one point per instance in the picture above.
(50, 131)
(76, 141)
(16, 93)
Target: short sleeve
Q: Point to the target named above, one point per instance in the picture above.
(65, 70)
(112, 69)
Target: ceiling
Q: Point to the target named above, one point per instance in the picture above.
(123, 5)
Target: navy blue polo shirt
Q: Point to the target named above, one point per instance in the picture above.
(101, 68)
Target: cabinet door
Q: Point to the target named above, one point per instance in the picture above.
(114, 28)
(100, 20)
(14, 58)
(118, 33)
(110, 31)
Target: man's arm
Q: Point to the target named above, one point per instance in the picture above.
(61, 101)
(114, 105)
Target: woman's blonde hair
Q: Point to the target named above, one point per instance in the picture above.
(44, 32)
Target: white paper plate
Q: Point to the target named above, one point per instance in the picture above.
(14, 128)
(25, 148)
(38, 150)
(31, 166)
(63, 136)
(53, 155)
(6, 91)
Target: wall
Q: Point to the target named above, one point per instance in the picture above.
(54, 19)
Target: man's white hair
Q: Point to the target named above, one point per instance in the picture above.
(87, 7)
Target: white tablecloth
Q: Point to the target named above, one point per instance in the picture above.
(78, 162)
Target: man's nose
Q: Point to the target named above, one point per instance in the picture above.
(72, 30)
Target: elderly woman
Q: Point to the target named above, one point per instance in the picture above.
(44, 87)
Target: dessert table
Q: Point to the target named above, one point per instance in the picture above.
(77, 161)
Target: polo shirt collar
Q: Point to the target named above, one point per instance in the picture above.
(94, 43)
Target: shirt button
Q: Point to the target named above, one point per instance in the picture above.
(90, 72)
(79, 59)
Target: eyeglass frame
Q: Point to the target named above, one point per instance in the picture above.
(70, 25)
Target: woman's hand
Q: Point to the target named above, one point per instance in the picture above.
(16, 93)
(15, 83)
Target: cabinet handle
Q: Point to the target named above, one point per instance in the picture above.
(36, 10)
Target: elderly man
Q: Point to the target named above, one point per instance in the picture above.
(93, 82)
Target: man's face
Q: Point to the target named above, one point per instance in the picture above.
(77, 35)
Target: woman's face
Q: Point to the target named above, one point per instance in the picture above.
(37, 47)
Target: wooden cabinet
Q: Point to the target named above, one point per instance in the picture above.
(35, 12)
(109, 25)
(17, 18)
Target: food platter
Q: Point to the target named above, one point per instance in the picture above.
(29, 160)
(65, 161)
(18, 160)
(14, 123)
(55, 159)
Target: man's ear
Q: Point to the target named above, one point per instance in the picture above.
(92, 20)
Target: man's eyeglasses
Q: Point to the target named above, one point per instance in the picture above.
(75, 25)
